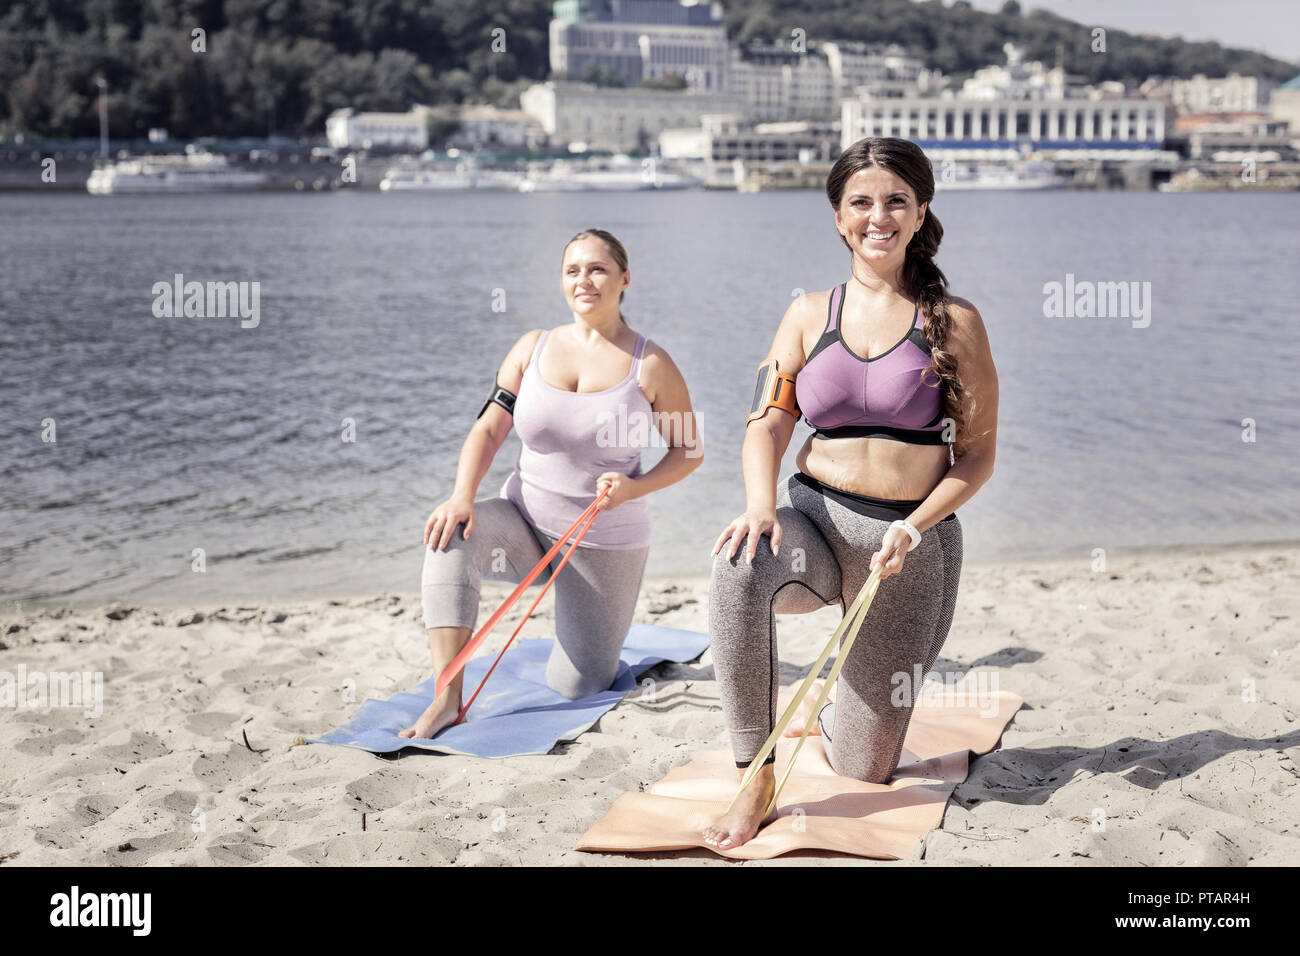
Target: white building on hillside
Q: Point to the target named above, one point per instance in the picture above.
(723, 139)
(886, 71)
(777, 83)
(1227, 94)
(492, 128)
(1284, 104)
(780, 84)
(1016, 80)
(1116, 123)
(615, 118)
(1011, 108)
(348, 129)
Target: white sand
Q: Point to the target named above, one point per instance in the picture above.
(1137, 711)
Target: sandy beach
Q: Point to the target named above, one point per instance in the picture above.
(1161, 697)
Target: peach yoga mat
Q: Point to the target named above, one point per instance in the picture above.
(818, 809)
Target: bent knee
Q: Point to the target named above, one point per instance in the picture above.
(864, 766)
(742, 576)
(579, 686)
(455, 562)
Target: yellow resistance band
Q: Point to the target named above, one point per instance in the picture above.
(851, 623)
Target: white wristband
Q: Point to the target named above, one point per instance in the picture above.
(911, 533)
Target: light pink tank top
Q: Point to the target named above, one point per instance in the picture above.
(568, 440)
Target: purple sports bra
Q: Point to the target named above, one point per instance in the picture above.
(845, 396)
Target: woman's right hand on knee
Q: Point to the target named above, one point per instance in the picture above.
(747, 529)
(444, 519)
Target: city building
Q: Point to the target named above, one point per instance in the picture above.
(487, 127)
(781, 84)
(583, 115)
(1213, 135)
(1015, 108)
(884, 71)
(1284, 104)
(778, 83)
(1228, 94)
(637, 40)
(348, 129)
(1009, 124)
(1017, 80)
(725, 139)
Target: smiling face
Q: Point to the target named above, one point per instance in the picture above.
(878, 215)
(592, 279)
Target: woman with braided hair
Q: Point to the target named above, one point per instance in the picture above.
(897, 378)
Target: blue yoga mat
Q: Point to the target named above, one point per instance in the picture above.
(517, 713)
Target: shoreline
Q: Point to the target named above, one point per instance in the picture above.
(1053, 560)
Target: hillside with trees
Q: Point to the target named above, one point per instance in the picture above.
(959, 39)
(268, 67)
(279, 67)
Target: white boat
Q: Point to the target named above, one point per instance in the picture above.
(1228, 178)
(619, 177)
(1025, 175)
(401, 179)
(196, 171)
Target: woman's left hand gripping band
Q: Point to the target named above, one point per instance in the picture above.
(622, 488)
(893, 549)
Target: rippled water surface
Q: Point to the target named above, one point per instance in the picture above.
(186, 433)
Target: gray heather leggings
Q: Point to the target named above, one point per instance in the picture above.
(595, 594)
(825, 558)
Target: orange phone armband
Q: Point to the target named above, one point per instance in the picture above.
(774, 388)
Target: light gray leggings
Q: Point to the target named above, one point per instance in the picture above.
(825, 558)
(595, 594)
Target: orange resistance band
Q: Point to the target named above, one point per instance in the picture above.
(460, 660)
(549, 581)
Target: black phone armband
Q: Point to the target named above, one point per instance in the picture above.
(501, 396)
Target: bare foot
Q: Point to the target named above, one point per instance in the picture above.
(441, 713)
(795, 727)
(741, 822)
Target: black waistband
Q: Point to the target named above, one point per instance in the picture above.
(886, 509)
(913, 436)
